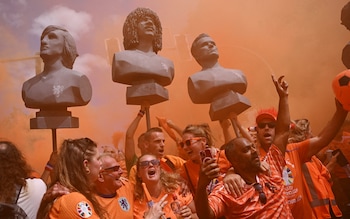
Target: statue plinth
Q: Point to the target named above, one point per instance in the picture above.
(53, 120)
(148, 92)
(226, 103)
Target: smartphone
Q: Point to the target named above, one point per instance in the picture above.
(205, 154)
(341, 159)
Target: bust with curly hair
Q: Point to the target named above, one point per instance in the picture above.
(139, 61)
(58, 86)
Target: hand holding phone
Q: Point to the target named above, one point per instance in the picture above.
(205, 154)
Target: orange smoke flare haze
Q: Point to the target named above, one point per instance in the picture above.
(302, 40)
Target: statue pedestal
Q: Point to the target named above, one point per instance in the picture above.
(226, 103)
(149, 92)
(54, 120)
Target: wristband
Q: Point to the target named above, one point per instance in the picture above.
(48, 167)
(141, 113)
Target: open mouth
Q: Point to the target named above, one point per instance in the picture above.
(151, 172)
(267, 135)
(149, 28)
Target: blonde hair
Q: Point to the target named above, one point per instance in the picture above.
(200, 130)
(169, 181)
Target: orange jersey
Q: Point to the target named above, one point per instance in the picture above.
(73, 205)
(122, 204)
(248, 205)
(141, 206)
(296, 155)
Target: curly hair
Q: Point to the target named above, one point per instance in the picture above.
(130, 29)
(170, 181)
(69, 53)
(13, 170)
(70, 171)
(201, 130)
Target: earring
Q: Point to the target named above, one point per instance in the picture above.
(87, 171)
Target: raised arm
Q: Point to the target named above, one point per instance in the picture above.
(329, 131)
(283, 117)
(225, 126)
(129, 149)
(48, 175)
(209, 171)
(168, 127)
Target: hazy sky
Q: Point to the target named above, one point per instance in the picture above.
(301, 39)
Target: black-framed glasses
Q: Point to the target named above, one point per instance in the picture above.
(262, 196)
(111, 169)
(146, 163)
(189, 142)
(262, 125)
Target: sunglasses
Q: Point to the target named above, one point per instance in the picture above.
(111, 169)
(189, 142)
(262, 125)
(262, 196)
(146, 163)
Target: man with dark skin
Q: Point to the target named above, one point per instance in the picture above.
(265, 190)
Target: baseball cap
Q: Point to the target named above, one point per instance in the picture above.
(266, 114)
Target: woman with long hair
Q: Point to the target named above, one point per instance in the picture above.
(15, 178)
(78, 167)
(158, 183)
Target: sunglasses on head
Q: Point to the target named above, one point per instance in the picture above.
(262, 196)
(111, 169)
(189, 142)
(146, 163)
(262, 125)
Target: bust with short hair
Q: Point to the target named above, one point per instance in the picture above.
(58, 86)
(214, 82)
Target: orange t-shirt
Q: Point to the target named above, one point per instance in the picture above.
(248, 205)
(73, 205)
(121, 205)
(141, 206)
(293, 178)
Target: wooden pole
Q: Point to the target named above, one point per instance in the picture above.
(54, 140)
(148, 119)
(235, 128)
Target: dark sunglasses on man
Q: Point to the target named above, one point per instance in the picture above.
(262, 196)
(262, 125)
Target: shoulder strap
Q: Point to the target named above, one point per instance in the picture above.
(189, 180)
(170, 164)
(167, 165)
(18, 191)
